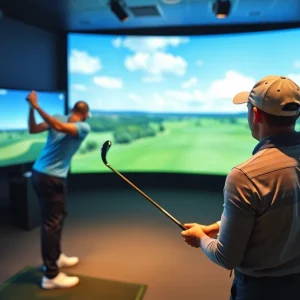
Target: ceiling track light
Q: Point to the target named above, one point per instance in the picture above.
(118, 7)
(222, 8)
(171, 1)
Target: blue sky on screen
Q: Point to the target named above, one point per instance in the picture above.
(176, 74)
(14, 107)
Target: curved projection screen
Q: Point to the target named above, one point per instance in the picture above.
(17, 146)
(166, 102)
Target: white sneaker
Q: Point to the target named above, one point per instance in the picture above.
(64, 262)
(60, 281)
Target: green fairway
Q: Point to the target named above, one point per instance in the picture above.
(188, 146)
(185, 145)
(20, 147)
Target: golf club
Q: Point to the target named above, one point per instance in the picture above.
(104, 150)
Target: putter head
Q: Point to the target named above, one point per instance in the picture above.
(104, 150)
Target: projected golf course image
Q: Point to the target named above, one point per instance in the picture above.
(17, 146)
(166, 143)
(165, 102)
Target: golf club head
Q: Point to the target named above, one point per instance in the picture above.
(104, 150)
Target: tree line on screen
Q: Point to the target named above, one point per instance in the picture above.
(128, 127)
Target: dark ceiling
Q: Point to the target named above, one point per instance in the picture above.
(96, 16)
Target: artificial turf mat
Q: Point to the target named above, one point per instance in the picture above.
(25, 285)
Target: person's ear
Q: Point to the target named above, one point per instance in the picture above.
(257, 115)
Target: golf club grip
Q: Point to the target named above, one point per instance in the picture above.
(148, 198)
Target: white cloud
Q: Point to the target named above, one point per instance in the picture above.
(156, 63)
(82, 62)
(108, 82)
(170, 100)
(137, 61)
(297, 64)
(229, 86)
(295, 77)
(150, 79)
(150, 57)
(159, 103)
(134, 97)
(190, 83)
(183, 96)
(186, 100)
(148, 44)
(216, 98)
(78, 87)
(220, 93)
(3, 92)
(199, 63)
(61, 97)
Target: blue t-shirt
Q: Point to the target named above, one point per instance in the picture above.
(59, 149)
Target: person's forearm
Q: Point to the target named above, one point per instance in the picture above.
(210, 248)
(31, 121)
(237, 222)
(51, 121)
(214, 250)
(209, 245)
(225, 251)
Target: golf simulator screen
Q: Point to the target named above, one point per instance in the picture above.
(165, 103)
(17, 146)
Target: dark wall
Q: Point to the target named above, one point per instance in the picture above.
(143, 181)
(30, 58)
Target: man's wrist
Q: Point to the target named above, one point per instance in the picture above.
(214, 226)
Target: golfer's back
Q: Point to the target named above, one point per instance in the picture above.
(274, 246)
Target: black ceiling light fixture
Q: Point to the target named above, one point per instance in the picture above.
(221, 8)
(118, 7)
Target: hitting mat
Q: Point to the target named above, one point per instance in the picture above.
(25, 285)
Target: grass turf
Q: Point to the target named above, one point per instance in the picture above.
(25, 285)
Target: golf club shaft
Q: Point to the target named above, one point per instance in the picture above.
(148, 198)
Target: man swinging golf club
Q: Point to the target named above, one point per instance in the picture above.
(49, 174)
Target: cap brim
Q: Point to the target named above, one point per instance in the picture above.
(241, 98)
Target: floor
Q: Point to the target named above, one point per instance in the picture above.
(120, 235)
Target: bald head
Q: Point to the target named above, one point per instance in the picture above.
(81, 109)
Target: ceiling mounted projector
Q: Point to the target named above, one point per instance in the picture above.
(221, 8)
(118, 7)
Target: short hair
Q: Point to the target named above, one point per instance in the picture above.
(81, 107)
(281, 121)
